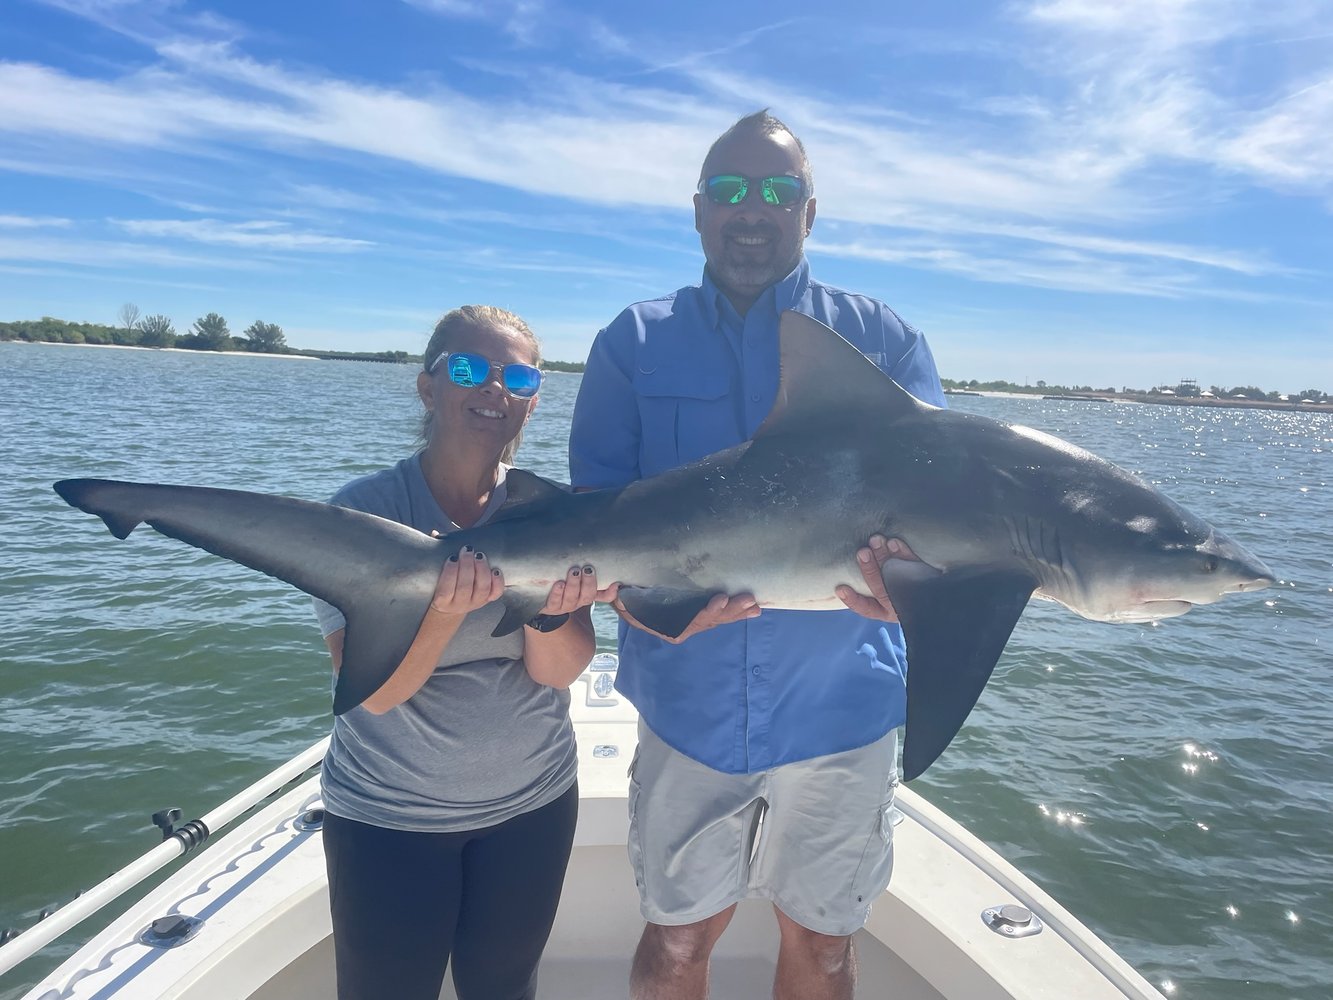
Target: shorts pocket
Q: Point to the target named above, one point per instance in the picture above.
(632, 844)
(876, 867)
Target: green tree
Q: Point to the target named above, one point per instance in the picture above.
(1314, 395)
(266, 338)
(156, 331)
(211, 333)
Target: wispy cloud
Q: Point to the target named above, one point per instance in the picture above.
(1072, 145)
(1145, 83)
(108, 254)
(147, 278)
(519, 19)
(33, 222)
(258, 235)
(321, 196)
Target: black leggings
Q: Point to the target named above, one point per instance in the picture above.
(403, 903)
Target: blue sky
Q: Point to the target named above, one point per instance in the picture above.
(1071, 190)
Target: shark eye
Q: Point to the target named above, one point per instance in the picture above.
(1210, 564)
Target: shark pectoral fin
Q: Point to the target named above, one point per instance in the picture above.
(666, 610)
(521, 605)
(956, 628)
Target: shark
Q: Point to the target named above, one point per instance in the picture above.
(996, 514)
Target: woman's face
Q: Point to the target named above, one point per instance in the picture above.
(484, 412)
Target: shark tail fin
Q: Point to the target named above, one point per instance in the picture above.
(78, 493)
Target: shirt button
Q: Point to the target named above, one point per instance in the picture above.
(756, 671)
(754, 397)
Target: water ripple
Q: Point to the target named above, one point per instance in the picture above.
(1169, 784)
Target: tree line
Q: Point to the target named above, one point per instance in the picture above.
(207, 333)
(1182, 389)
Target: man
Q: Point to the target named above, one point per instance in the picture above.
(767, 751)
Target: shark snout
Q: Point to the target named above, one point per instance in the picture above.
(1238, 570)
(1258, 583)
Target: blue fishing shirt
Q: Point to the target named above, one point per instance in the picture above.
(674, 379)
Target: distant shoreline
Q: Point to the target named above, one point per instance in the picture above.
(173, 350)
(567, 367)
(1152, 398)
(562, 367)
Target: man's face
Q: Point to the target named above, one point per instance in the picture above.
(753, 244)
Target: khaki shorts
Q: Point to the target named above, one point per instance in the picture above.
(814, 837)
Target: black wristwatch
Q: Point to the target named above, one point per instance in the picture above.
(546, 623)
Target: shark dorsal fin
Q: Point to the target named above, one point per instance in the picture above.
(523, 487)
(825, 379)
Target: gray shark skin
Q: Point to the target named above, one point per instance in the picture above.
(996, 513)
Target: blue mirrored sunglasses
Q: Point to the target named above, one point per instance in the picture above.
(471, 370)
(732, 189)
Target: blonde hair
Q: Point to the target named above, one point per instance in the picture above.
(454, 322)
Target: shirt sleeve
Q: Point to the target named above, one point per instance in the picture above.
(915, 370)
(605, 434)
(330, 618)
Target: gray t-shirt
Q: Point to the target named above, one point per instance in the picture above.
(480, 742)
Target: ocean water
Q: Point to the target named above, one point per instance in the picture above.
(1169, 783)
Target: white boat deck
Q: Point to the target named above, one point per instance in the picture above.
(261, 894)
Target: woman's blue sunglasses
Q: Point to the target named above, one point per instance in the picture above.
(471, 370)
(732, 189)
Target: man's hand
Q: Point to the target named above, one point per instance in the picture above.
(720, 610)
(871, 561)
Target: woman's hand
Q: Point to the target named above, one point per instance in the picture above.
(557, 656)
(577, 590)
(467, 582)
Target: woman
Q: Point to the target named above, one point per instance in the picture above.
(450, 793)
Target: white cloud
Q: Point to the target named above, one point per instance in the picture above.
(33, 222)
(451, 8)
(1145, 81)
(1028, 186)
(258, 235)
(140, 276)
(519, 19)
(1290, 142)
(321, 196)
(107, 254)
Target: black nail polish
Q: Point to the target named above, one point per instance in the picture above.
(574, 572)
(481, 555)
(587, 571)
(454, 557)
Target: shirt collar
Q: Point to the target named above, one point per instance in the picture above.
(783, 296)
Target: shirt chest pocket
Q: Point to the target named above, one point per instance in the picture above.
(684, 416)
